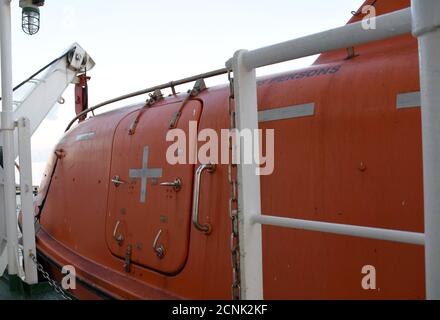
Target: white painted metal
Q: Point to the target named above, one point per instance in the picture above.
(2, 220)
(26, 194)
(388, 25)
(7, 127)
(426, 27)
(343, 229)
(2, 214)
(45, 93)
(245, 99)
(34, 107)
(3, 258)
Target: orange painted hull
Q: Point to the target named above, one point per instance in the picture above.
(356, 160)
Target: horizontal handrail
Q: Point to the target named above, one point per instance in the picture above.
(171, 84)
(387, 26)
(342, 229)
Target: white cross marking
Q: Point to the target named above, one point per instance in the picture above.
(144, 174)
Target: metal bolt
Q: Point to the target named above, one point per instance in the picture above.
(362, 167)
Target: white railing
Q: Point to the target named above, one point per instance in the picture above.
(3, 256)
(426, 27)
(389, 25)
(16, 129)
(27, 199)
(343, 229)
(426, 17)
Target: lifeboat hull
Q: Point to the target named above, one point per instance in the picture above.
(347, 150)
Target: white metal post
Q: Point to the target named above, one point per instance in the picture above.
(7, 127)
(426, 27)
(245, 97)
(2, 217)
(26, 193)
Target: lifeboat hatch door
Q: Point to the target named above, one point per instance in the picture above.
(149, 202)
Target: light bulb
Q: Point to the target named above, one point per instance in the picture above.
(30, 22)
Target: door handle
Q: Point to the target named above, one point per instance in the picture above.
(176, 184)
(205, 228)
(116, 180)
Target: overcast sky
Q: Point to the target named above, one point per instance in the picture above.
(138, 44)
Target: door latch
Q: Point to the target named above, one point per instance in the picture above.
(118, 237)
(176, 184)
(158, 249)
(116, 180)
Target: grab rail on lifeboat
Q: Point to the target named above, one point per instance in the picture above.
(171, 85)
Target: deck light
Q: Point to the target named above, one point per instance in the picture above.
(30, 22)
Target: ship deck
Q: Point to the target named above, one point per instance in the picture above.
(41, 291)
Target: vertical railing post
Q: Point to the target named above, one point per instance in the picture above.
(245, 97)
(7, 130)
(2, 210)
(26, 194)
(426, 27)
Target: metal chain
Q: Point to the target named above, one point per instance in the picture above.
(55, 286)
(233, 200)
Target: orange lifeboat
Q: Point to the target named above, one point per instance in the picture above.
(348, 150)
